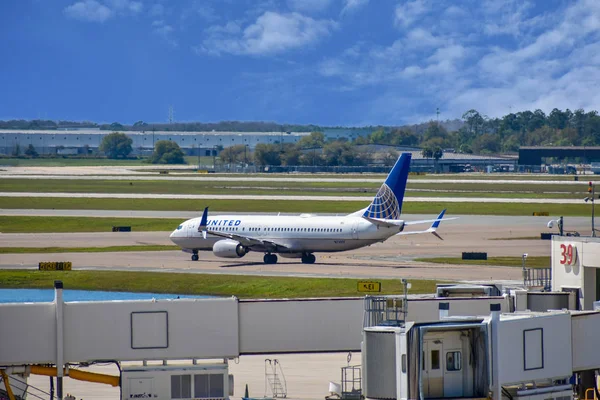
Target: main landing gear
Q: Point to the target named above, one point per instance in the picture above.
(308, 258)
(270, 258)
(195, 255)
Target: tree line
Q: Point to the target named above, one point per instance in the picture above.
(477, 134)
(474, 133)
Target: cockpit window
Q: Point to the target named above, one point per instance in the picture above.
(179, 227)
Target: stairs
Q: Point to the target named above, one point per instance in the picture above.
(275, 379)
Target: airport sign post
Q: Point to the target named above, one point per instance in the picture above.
(369, 286)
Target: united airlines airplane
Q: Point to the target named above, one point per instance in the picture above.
(301, 236)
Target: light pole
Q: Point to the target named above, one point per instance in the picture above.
(214, 151)
(524, 269)
(592, 192)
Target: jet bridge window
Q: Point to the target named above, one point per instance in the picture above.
(209, 386)
(181, 386)
(453, 361)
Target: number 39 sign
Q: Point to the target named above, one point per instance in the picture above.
(568, 254)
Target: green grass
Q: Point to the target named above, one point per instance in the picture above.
(44, 250)
(166, 186)
(201, 284)
(10, 224)
(532, 262)
(287, 206)
(163, 184)
(270, 206)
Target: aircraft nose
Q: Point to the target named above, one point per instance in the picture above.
(174, 236)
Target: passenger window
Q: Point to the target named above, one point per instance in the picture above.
(435, 359)
(453, 361)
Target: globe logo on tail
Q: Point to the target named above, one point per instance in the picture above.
(384, 205)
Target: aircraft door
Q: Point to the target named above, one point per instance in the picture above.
(453, 373)
(190, 228)
(433, 373)
(355, 230)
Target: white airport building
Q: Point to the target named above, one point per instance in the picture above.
(81, 141)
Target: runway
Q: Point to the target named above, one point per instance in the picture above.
(283, 197)
(393, 259)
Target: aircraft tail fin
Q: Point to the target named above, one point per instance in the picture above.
(387, 203)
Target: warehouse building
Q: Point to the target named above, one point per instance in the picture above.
(88, 140)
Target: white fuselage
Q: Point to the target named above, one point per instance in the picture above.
(299, 234)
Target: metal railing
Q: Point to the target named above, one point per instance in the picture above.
(538, 277)
(384, 310)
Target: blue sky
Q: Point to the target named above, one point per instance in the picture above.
(327, 62)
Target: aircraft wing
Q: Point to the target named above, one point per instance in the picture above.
(246, 241)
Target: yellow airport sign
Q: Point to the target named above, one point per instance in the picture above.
(55, 266)
(369, 286)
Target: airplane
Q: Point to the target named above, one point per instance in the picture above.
(234, 236)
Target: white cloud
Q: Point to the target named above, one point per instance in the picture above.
(419, 53)
(94, 11)
(556, 68)
(454, 11)
(271, 33)
(165, 31)
(420, 37)
(232, 27)
(88, 10)
(353, 5)
(406, 13)
(308, 5)
(508, 17)
(547, 60)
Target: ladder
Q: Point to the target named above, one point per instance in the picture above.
(275, 379)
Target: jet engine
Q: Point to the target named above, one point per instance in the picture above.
(229, 249)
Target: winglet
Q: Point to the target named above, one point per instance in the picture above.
(203, 223)
(435, 225)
